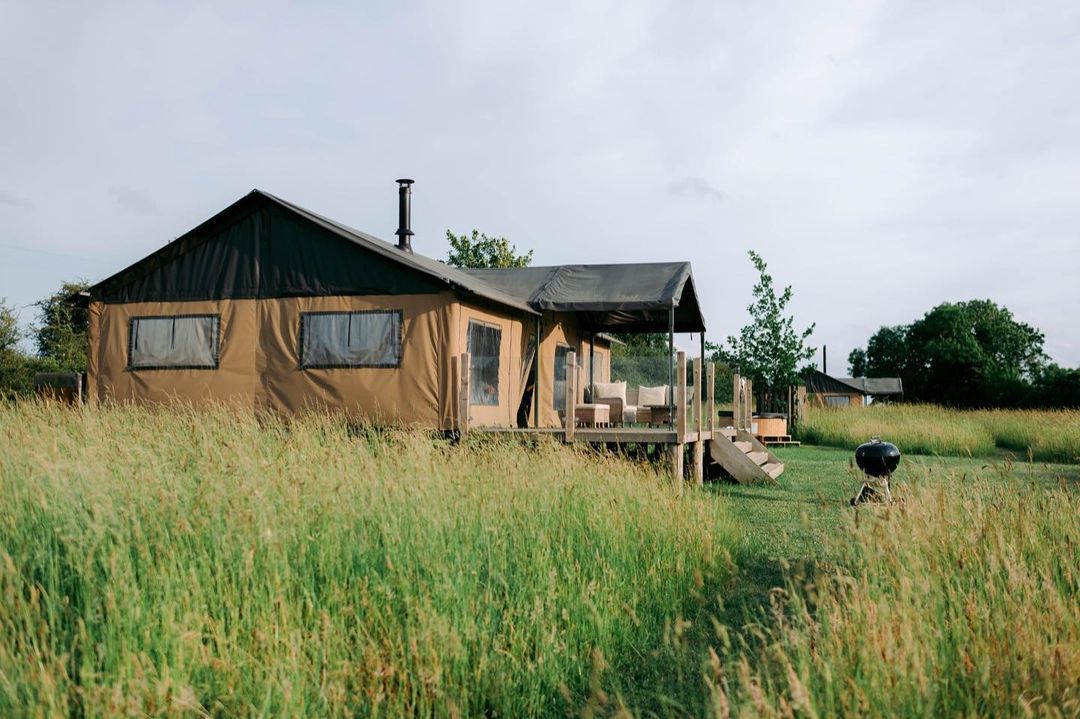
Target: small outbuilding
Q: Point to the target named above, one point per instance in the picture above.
(823, 390)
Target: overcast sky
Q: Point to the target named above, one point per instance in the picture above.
(883, 156)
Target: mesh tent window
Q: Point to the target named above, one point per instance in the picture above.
(559, 398)
(366, 338)
(174, 342)
(485, 342)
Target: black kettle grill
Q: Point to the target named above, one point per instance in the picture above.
(877, 458)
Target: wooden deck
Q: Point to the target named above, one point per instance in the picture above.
(606, 435)
(692, 430)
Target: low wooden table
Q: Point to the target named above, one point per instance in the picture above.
(659, 413)
(592, 415)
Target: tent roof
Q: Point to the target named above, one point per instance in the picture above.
(439, 270)
(606, 298)
(820, 383)
(452, 276)
(615, 298)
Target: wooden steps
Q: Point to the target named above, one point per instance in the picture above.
(773, 469)
(743, 457)
(758, 458)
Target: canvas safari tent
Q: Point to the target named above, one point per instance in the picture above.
(272, 306)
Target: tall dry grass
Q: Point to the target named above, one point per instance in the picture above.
(169, 563)
(962, 601)
(160, 563)
(1044, 435)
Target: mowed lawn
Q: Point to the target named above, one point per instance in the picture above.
(959, 600)
(787, 519)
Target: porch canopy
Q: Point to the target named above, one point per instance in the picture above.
(635, 297)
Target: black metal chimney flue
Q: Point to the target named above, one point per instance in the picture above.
(404, 231)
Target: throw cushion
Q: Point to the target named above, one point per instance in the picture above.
(652, 396)
(610, 390)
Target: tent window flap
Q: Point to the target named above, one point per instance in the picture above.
(370, 338)
(174, 342)
(485, 341)
(559, 388)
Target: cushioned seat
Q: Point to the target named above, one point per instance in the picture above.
(629, 405)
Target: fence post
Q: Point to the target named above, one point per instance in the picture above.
(749, 409)
(698, 450)
(699, 405)
(464, 369)
(711, 409)
(571, 395)
(736, 405)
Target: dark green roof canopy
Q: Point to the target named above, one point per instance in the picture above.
(262, 246)
(634, 297)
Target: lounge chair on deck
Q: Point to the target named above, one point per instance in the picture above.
(629, 405)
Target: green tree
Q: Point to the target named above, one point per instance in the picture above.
(9, 328)
(769, 350)
(61, 333)
(481, 251)
(962, 354)
(857, 362)
(642, 344)
(885, 354)
(16, 375)
(972, 354)
(1056, 386)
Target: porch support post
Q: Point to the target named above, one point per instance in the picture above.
(680, 399)
(699, 397)
(536, 377)
(592, 360)
(697, 463)
(671, 367)
(675, 461)
(697, 456)
(710, 387)
(571, 395)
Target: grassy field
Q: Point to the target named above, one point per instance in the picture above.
(153, 563)
(172, 564)
(1041, 435)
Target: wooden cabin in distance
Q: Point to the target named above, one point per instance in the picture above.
(823, 390)
(275, 307)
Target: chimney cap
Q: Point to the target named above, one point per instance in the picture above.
(404, 181)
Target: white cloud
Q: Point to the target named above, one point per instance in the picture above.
(12, 200)
(134, 201)
(695, 187)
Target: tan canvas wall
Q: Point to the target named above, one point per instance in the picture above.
(512, 380)
(558, 328)
(233, 380)
(259, 363)
(415, 393)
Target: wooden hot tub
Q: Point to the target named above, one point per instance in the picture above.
(763, 424)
